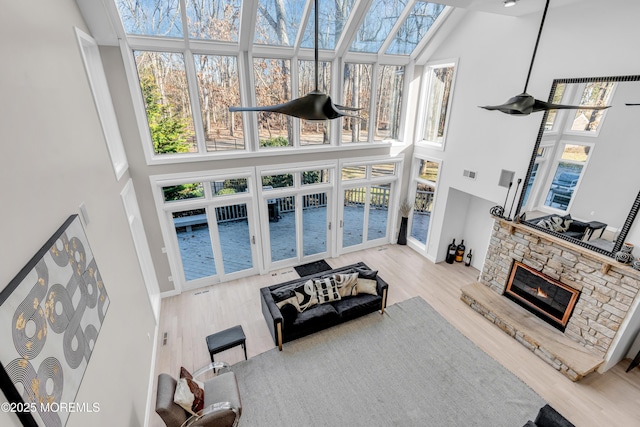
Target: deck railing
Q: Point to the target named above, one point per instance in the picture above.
(379, 199)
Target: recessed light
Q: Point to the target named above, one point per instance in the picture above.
(509, 3)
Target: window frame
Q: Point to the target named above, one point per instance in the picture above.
(425, 95)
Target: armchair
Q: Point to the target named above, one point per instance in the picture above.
(222, 405)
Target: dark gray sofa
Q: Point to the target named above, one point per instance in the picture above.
(287, 324)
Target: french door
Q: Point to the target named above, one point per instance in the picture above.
(216, 242)
(297, 225)
(364, 216)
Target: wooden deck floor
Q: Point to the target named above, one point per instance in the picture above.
(610, 399)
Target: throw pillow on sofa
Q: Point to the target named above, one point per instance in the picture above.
(346, 284)
(555, 223)
(367, 286)
(306, 294)
(365, 273)
(326, 290)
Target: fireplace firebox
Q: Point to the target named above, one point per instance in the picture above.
(542, 295)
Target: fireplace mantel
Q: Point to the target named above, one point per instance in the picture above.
(607, 262)
(608, 289)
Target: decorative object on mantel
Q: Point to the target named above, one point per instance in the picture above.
(313, 106)
(636, 264)
(525, 104)
(498, 211)
(405, 208)
(53, 309)
(467, 262)
(514, 199)
(625, 255)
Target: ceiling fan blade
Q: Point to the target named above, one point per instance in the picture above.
(631, 105)
(544, 106)
(519, 105)
(313, 106)
(342, 107)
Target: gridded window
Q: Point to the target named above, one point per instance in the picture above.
(273, 86)
(151, 18)
(218, 89)
(229, 187)
(357, 94)
(418, 22)
(277, 181)
(439, 80)
(595, 94)
(315, 177)
(183, 191)
(163, 82)
(389, 101)
(314, 132)
(213, 20)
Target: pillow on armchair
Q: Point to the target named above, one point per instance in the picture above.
(189, 392)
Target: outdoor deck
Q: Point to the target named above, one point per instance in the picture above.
(197, 254)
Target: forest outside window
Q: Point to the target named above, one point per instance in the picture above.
(189, 63)
(438, 93)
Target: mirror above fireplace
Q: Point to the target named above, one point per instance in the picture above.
(581, 184)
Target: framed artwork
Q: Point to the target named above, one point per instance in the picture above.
(50, 317)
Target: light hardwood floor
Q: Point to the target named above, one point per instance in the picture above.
(610, 399)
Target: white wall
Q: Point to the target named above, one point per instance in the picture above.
(54, 158)
(494, 55)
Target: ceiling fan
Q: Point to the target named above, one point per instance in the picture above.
(525, 104)
(313, 106)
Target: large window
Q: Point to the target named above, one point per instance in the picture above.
(273, 86)
(367, 194)
(595, 94)
(163, 82)
(357, 94)
(314, 132)
(438, 81)
(189, 61)
(568, 170)
(424, 183)
(389, 101)
(218, 89)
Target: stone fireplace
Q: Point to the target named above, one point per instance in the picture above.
(603, 292)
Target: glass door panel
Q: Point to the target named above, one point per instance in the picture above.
(282, 228)
(423, 205)
(314, 224)
(194, 241)
(378, 211)
(353, 214)
(235, 238)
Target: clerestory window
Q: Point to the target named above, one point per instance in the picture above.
(192, 60)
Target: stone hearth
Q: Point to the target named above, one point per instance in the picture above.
(607, 288)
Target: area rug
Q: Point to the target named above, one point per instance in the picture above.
(312, 268)
(408, 367)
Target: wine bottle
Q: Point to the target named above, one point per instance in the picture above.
(460, 251)
(467, 262)
(451, 252)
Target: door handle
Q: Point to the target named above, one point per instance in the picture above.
(340, 223)
(329, 225)
(253, 239)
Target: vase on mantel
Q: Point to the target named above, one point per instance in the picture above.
(625, 254)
